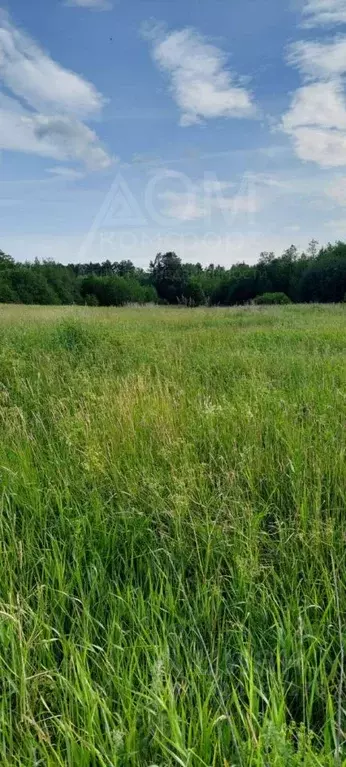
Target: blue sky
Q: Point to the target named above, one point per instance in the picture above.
(213, 127)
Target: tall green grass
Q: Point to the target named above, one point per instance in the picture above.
(173, 504)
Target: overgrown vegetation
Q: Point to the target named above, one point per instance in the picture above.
(172, 577)
(315, 276)
(266, 299)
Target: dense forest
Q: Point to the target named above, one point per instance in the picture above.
(317, 275)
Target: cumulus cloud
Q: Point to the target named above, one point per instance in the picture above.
(316, 59)
(320, 104)
(56, 99)
(60, 137)
(324, 12)
(316, 122)
(200, 81)
(325, 147)
(316, 119)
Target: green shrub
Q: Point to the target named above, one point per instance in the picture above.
(193, 293)
(272, 298)
(91, 300)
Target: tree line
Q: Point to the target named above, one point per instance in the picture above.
(317, 275)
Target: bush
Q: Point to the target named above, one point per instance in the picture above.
(237, 290)
(272, 298)
(149, 294)
(7, 294)
(91, 300)
(193, 293)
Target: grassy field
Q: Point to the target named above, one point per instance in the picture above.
(173, 506)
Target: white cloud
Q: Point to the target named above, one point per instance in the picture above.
(213, 186)
(319, 60)
(57, 96)
(98, 5)
(45, 85)
(183, 206)
(70, 174)
(208, 197)
(324, 12)
(338, 225)
(316, 120)
(10, 104)
(337, 191)
(270, 181)
(308, 185)
(325, 147)
(320, 104)
(201, 84)
(247, 203)
(62, 138)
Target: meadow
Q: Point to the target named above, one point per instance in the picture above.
(172, 570)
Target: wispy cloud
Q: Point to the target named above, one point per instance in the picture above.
(324, 12)
(57, 98)
(337, 191)
(96, 5)
(44, 84)
(62, 138)
(200, 81)
(183, 206)
(315, 59)
(208, 197)
(70, 174)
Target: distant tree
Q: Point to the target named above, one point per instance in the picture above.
(6, 262)
(124, 269)
(115, 291)
(7, 293)
(324, 280)
(312, 250)
(290, 255)
(106, 269)
(238, 287)
(62, 281)
(316, 275)
(168, 277)
(31, 286)
(193, 293)
(277, 274)
(266, 257)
